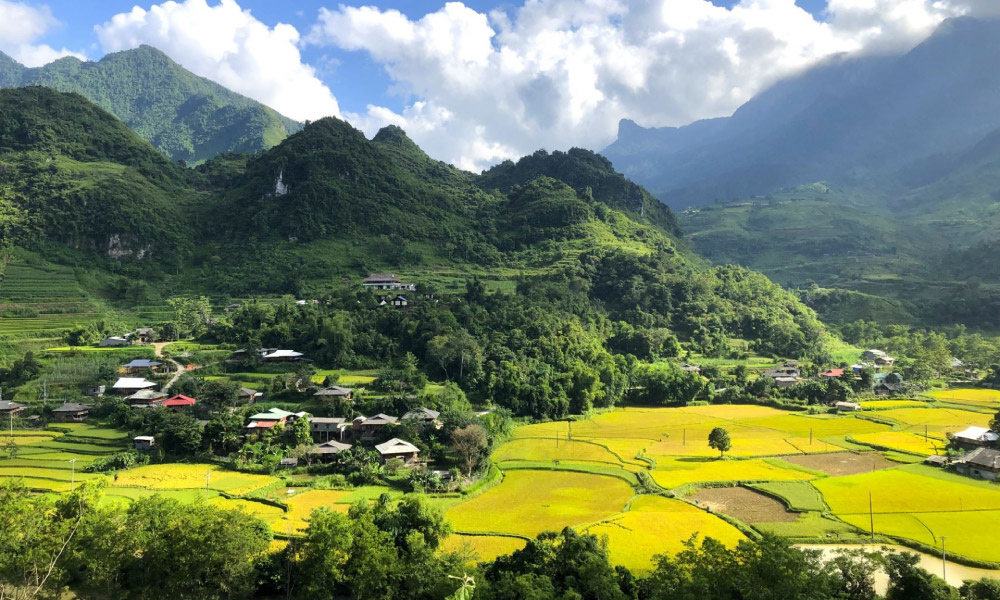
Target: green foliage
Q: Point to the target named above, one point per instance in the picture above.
(184, 116)
(718, 439)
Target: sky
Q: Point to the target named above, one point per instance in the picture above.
(481, 81)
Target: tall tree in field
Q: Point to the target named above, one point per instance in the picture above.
(469, 443)
(719, 439)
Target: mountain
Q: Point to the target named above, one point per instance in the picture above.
(184, 116)
(83, 190)
(870, 121)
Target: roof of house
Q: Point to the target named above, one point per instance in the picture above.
(144, 330)
(133, 383)
(331, 447)
(328, 420)
(381, 277)
(977, 434)
(262, 424)
(422, 413)
(847, 405)
(143, 438)
(380, 418)
(786, 379)
(936, 459)
(8, 405)
(245, 392)
(274, 414)
(892, 387)
(984, 457)
(334, 390)
(283, 354)
(956, 363)
(874, 352)
(114, 339)
(179, 400)
(396, 446)
(143, 363)
(72, 407)
(688, 367)
(832, 373)
(146, 395)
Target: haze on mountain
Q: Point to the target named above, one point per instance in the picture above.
(874, 176)
(184, 116)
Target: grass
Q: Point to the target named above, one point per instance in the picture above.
(655, 525)
(798, 495)
(812, 525)
(679, 471)
(890, 404)
(529, 502)
(192, 476)
(88, 430)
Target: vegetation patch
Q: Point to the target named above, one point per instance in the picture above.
(901, 441)
(798, 495)
(482, 548)
(843, 463)
(676, 472)
(745, 504)
(192, 476)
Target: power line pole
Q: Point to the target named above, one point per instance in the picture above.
(871, 516)
(944, 559)
(72, 476)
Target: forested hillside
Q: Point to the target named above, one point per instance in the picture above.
(184, 116)
(548, 272)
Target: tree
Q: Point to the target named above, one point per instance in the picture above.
(469, 443)
(719, 440)
(987, 588)
(907, 581)
(220, 394)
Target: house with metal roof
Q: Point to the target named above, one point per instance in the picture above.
(397, 448)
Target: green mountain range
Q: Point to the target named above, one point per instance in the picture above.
(184, 116)
(82, 190)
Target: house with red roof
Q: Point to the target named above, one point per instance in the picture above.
(178, 401)
(832, 373)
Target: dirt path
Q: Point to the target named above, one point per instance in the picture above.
(158, 348)
(178, 367)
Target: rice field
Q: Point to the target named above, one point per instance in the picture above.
(655, 525)
(301, 505)
(530, 502)
(975, 396)
(902, 441)
(891, 404)
(935, 420)
(482, 548)
(680, 471)
(192, 476)
(798, 495)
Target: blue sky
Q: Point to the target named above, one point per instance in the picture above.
(355, 79)
(479, 82)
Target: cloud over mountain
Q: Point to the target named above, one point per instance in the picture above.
(229, 46)
(20, 27)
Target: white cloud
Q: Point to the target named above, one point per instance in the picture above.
(21, 26)
(558, 73)
(228, 45)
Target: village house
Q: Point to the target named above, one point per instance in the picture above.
(143, 443)
(847, 407)
(178, 402)
(10, 409)
(981, 462)
(782, 371)
(270, 418)
(691, 368)
(145, 398)
(334, 392)
(326, 451)
(885, 388)
(144, 335)
(139, 365)
(247, 396)
(95, 391)
(423, 416)
(786, 381)
(386, 281)
(397, 448)
(126, 386)
(365, 428)
(113, 342)
(71, 412)
(324, 429)
(832, 373)
(276, 356)
(885, 361)
(974, 437)
(873, 354)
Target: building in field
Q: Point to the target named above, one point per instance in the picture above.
(268, 419)
(691, 368)
(178, 402)
(144, 335)
(143, 443)
(386, 281)
(847, 407)
(873, 354)
(126, 386)
(974, 437)
(139, 365)
(70, 412)
(275, 356)
(326, 451)
(145, 398)
(786, 381)
(832, 373)
(334, 392)
(113, 342)
(10, 409)
(981, 462)
(397, 448)
(95, 391)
